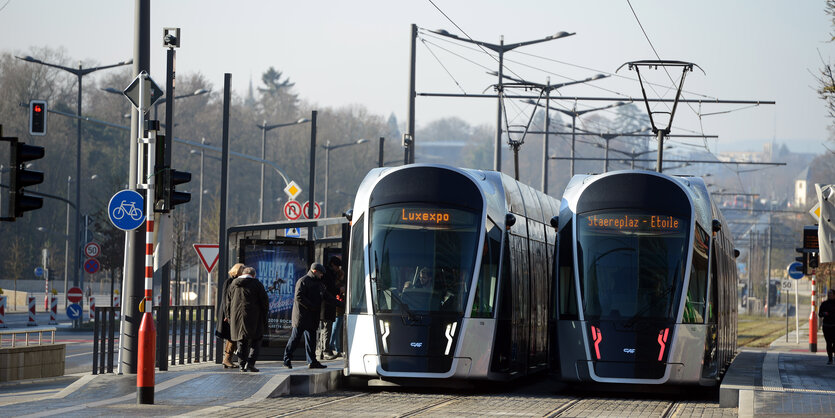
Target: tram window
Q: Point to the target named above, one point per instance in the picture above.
(408, 239)
(694, 303)
(357, 273)
(568, 293)
(631, 264)
(485, 293)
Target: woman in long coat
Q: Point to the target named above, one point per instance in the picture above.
(248, 305)
(229, 345)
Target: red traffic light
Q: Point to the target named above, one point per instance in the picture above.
(37, 117)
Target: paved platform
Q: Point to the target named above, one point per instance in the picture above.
(197, 389)
(783, 380)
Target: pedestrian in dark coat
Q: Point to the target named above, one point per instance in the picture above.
(247, 311)
(827, 314)
(307, 305)
(328, 313)
(229, 345)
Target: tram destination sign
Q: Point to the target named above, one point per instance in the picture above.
(633, 222)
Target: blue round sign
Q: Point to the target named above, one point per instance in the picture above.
(796, 270)
(74, 311)
(126, 210)
(38, 271)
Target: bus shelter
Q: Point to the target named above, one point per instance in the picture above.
(281, 253)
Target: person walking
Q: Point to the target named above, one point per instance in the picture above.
(229, 345)
(246, 307)
(328, 310)
(307, 305)
(827, 314)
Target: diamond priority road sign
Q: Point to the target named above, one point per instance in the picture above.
(152, 90)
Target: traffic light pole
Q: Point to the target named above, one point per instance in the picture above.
(147, 333)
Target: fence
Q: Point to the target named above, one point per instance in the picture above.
(190, 338)
(26, 332)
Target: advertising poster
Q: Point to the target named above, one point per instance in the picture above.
(278, 264)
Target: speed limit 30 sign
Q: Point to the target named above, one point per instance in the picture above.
(92, 250)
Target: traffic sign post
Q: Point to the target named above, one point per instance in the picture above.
(74, 295)
(92, 249)
(292, 210)
(292, 189)
(795, 270)
(209, 254)
(74, 311)
(126, 210)
(317, 210)
(91, 266)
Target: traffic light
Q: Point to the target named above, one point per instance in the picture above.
(173, 197)
(166, 193)
(37, 117)
(20, 177)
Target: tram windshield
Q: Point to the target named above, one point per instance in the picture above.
(422, 258)
(631, 264)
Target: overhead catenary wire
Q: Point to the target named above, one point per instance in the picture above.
(515, 105)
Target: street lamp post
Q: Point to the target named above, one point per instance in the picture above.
(574, 113)
(264, 129)
(79, 73)
(500, 49)
(328, 147)
(197, 92)
(547, 88)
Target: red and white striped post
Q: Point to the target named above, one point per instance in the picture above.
(92, 302)
(2, 312)
(32, 322)
(813, 322)
(147, 333)
(53, 309)
(116, 304)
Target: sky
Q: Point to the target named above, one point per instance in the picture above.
(343, 53)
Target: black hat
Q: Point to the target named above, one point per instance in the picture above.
(317, 267)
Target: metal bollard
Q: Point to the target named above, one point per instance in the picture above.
(53, 310)
(92, 307)
(2, 312)
(32, 322)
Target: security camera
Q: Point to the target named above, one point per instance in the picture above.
(171, 37)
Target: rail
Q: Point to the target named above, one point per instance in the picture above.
(191, 332)
(27, 331)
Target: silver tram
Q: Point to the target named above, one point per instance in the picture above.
(449, 276)
(646, 282)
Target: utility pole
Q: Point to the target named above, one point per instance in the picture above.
(134, 288)
(409, 136)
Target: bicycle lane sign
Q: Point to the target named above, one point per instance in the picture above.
(126, 210)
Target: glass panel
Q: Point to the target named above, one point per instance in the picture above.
(631, 264)
(356, 276)
(422, 258)
(485, 292)
(567, 295)
(694, 303)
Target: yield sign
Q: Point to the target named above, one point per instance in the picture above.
(208, 254)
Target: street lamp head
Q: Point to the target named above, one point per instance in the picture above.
(27, 58)
(561, 34)
(303, 120)
(111, 90)
(598, 76)
(199, 92)
(442, 32)
(362, 141)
